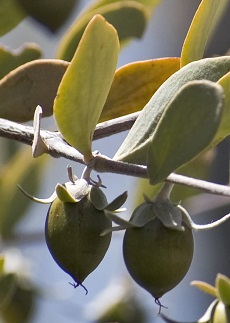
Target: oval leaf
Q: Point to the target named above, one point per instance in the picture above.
(134, 84)
(86, 83)
(128, 18)
(32, 84)
(134, 148)
(187, 126)
(201, 29)
(9, 60)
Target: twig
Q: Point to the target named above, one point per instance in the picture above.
(58, 147)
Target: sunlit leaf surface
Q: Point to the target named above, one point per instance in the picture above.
(134, 84)
(201, 29)
(86, 83)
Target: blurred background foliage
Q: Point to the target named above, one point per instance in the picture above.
(26, 296)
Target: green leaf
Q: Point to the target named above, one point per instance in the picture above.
(32, 84)
(223, 288)
(11, 15)
(185, 129)
(201, 29)
(224, 127)
(135, 83)
(51, 13)
(9, 60)
(135, 147)
(85, 86)
(128, 18)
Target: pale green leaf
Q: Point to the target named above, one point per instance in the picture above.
(202, 27)
(135, 146)
(223, 288)
(127, 17)
(85, 86)
(185, 129)
(32, 84)
(10, 15)
(224, 127)
(9, 60)
(134, 84)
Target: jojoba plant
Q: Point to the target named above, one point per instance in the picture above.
(81, 89)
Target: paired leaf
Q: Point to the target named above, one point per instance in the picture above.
(32, 84)
(134, 84)
(50, 13)
(201, 29)
(9, 60)
(186, 128)
(134, 149)
(128, 18)
(11, 15)
(85, 86)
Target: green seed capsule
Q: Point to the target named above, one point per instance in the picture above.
(73, 236)
(157, 257)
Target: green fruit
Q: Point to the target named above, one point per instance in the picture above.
(73, 236)
(157, 257)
